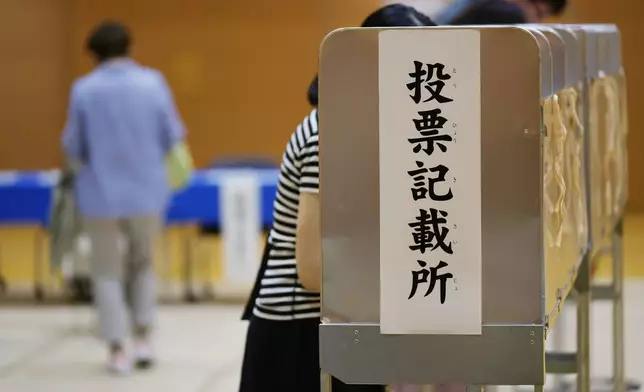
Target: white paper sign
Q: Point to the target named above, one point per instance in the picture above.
(241, 225)
(430, 182)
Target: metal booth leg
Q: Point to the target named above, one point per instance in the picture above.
(583, 299)
(558, 335)
(619, 384)
(325, 382)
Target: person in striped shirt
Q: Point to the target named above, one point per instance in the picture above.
(284, 309)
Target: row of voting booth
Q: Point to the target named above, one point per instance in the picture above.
(472, 177)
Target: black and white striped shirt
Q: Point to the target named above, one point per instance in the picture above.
(281, 296)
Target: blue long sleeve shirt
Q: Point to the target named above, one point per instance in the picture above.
(121, 124)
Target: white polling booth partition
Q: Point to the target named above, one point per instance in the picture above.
(456, 199)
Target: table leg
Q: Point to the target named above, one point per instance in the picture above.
(3, 281)
(582, 288)
(190, 295)
(39, 291)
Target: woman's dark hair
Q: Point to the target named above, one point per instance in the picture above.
(108, 40)
(394, 15)
(557, 6)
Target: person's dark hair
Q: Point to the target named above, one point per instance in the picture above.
(484, 12)
(397, 15)
(557, 6)
(108, 40)
(394, 15)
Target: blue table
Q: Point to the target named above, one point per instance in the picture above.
(26, 197)
(199, 202)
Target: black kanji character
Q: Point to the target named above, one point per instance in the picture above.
(427, 125)
(434, 87)
(430, 227)
(422, 276)
(424, 185)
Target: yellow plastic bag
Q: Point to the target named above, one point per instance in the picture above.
(179, 165)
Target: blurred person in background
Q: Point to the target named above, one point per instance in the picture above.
(121, 124)
(282, 352)
(486, 12)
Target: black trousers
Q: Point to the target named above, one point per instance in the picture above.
(283, 356)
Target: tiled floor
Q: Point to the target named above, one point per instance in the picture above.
(52, 348)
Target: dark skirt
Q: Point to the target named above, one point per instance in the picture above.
(283, 356)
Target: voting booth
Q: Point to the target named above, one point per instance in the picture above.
(605, 120)
(469, 176)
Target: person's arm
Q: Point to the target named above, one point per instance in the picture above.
(308, 250)
(73, 139)
(172, 127)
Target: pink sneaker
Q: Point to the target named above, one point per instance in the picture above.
(143, 355)
(119, 363)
